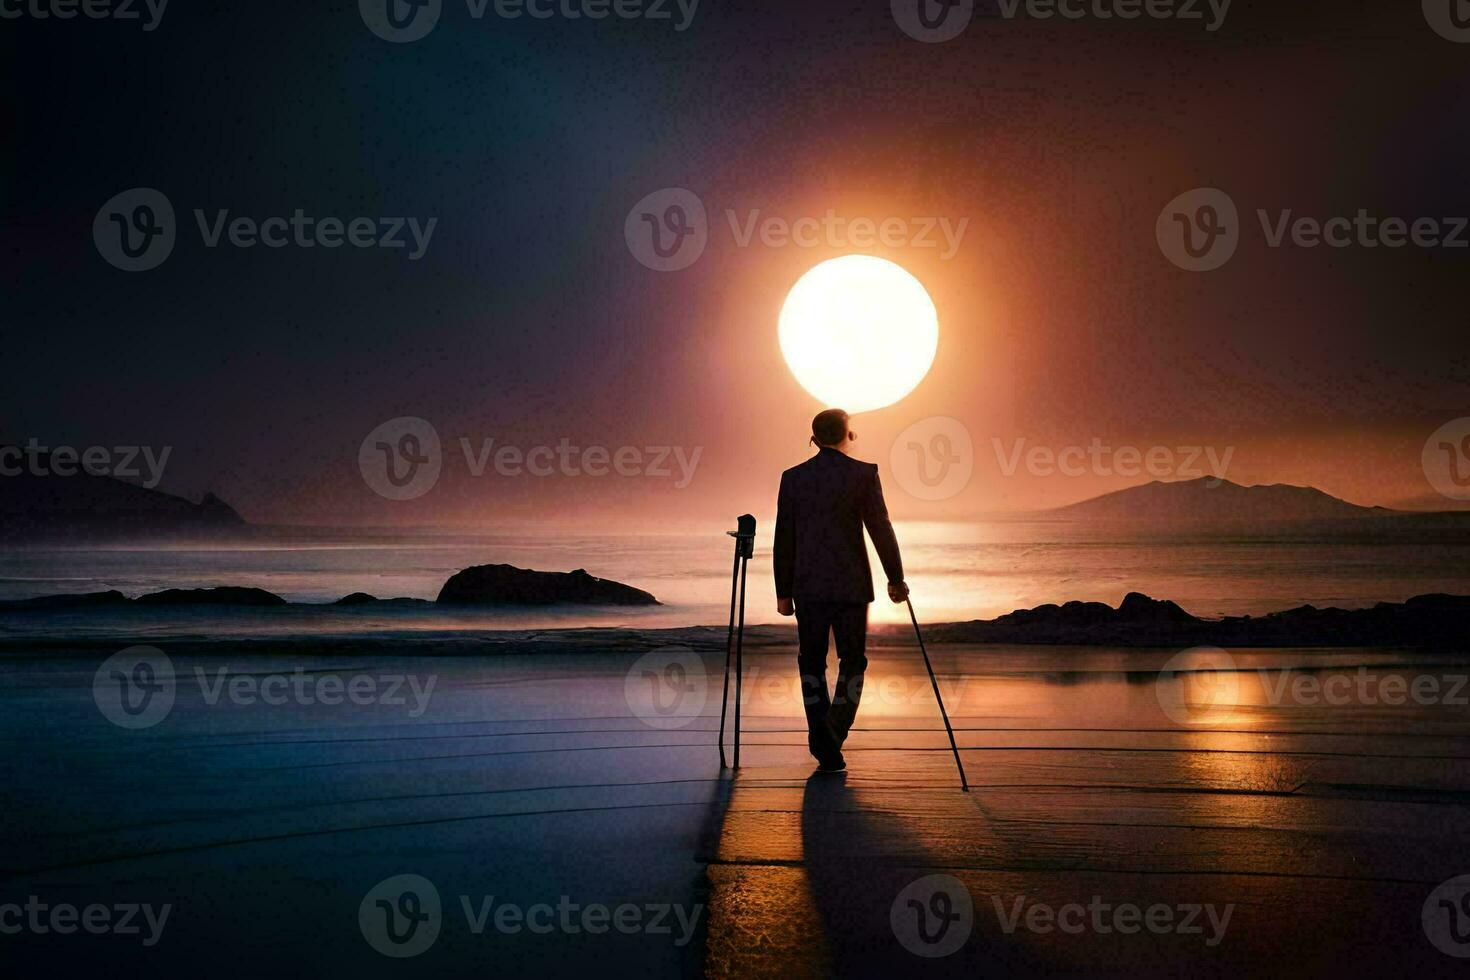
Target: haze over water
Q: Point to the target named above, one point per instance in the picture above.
(957, 570)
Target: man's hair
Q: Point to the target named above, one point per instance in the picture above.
(829, 427)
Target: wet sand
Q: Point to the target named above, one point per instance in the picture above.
(548, 779)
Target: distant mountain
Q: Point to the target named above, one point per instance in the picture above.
(1210, 499)
(89, 507)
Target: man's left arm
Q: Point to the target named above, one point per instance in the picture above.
(885, 542)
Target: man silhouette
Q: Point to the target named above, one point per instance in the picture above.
(822, 575)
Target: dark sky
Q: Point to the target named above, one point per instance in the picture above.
(528, 320)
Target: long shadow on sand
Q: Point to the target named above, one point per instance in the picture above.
(860, 856)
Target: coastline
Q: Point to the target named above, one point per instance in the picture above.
(1430, 623)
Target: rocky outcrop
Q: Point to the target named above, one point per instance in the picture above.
(507, 585)
(1439, 621)
(224, 596)
(365, 599)
(482, 585)
(79, 600)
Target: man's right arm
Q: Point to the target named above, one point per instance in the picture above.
(783, 554)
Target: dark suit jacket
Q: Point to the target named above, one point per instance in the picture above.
(823, 507)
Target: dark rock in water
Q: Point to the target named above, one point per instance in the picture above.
(506, 585)
(364, 599)
(80, 600)
(1430, 621)
(224, 596)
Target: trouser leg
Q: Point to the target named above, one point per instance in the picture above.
(813, 623)
(850, 629)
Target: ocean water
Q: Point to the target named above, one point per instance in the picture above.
(956, 570)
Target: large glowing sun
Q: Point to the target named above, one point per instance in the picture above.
(859, 332)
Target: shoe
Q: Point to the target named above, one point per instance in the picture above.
(833, 765)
